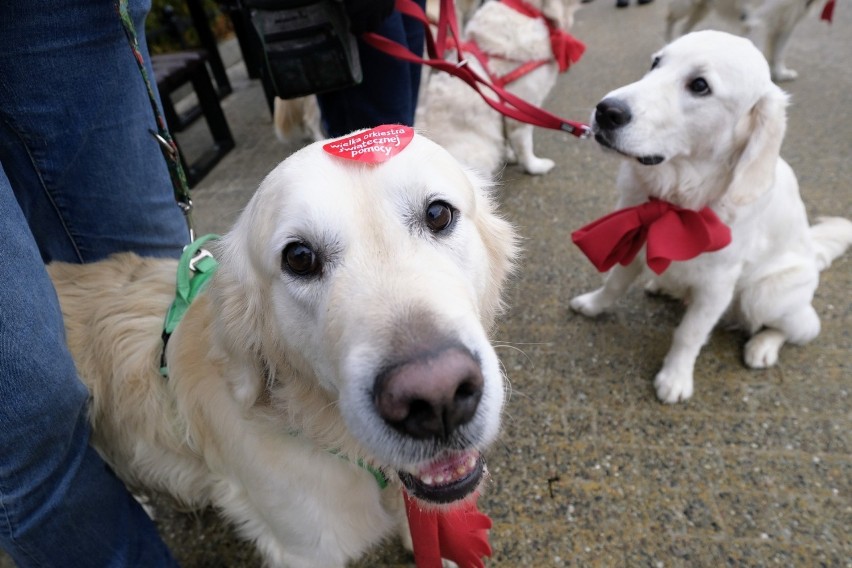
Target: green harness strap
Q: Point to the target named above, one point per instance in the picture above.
(195, 268)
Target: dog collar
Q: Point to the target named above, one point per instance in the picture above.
(671, 232)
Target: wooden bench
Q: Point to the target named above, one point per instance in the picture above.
(174, 70)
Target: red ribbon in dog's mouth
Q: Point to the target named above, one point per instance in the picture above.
(450, 478)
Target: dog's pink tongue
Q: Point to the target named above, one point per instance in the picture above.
(448, 469)
(459, 534)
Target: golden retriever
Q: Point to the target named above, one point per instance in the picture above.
(346, 324)
(771, 20)
(703, 128)
(455, 115)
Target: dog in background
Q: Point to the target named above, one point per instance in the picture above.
(774, 20)
(345, 327)
(455, 116)
(703, 128)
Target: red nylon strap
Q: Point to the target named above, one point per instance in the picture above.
(459, 534)
(498, 98)
(828, 11)
(671, 232)
(518, 72)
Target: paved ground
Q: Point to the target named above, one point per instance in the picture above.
(756, 470)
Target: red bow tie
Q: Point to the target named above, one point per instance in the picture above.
(672, 233)
(827, 11)
(459, 534)
(566, 48)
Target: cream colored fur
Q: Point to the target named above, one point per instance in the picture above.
(769, 23)
(720, 149)
(269, 372)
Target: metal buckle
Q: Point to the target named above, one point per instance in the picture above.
(198, 257)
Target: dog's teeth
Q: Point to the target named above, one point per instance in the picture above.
(439, 479)
(426, 479)
(471, 462)
(461, 470)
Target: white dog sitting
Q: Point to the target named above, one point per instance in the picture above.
(341, 343)
(700, 135)
(771, 21)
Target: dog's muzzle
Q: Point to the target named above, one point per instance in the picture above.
(430, 397)
(611, 115)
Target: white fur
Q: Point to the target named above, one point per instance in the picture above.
(767, 22)
(721, 150)
(269, 372)
(456, 117)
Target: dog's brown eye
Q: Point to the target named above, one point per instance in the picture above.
(439, 216)
(699, 86)
(299, 259)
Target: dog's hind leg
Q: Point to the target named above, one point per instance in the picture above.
(776, 48)
(521, 141)
(800, 327)
(691, 10)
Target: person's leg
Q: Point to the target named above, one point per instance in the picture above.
(60, 505)
(74, 132)
(80, 177)
(388, 92)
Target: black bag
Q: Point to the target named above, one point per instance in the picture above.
(308, 47)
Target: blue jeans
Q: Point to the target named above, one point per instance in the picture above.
(388, 92)
(80, 178)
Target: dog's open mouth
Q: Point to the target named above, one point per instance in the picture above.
(450, 478)
(653, 160)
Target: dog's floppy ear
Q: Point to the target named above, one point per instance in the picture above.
(761, 132)
(242, 327)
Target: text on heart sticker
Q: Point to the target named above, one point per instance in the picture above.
(372, 146)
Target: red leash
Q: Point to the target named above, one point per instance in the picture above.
(505, 103)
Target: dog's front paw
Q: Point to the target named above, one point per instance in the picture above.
(538, 166)
(588, 304)
(782, 74)
(673, 386)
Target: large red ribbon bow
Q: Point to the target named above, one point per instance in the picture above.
(459, 534)
(827, 11)
(671, 233)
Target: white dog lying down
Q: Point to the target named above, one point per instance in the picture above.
(456, 117)
(703, 129)
(347, 321)
(771, 20)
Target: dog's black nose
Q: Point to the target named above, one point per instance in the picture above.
(612, 113)
(432, 395)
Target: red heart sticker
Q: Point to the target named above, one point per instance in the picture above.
(372, 146)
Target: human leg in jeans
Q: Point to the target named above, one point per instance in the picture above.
(80, 178)
(388, 92)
